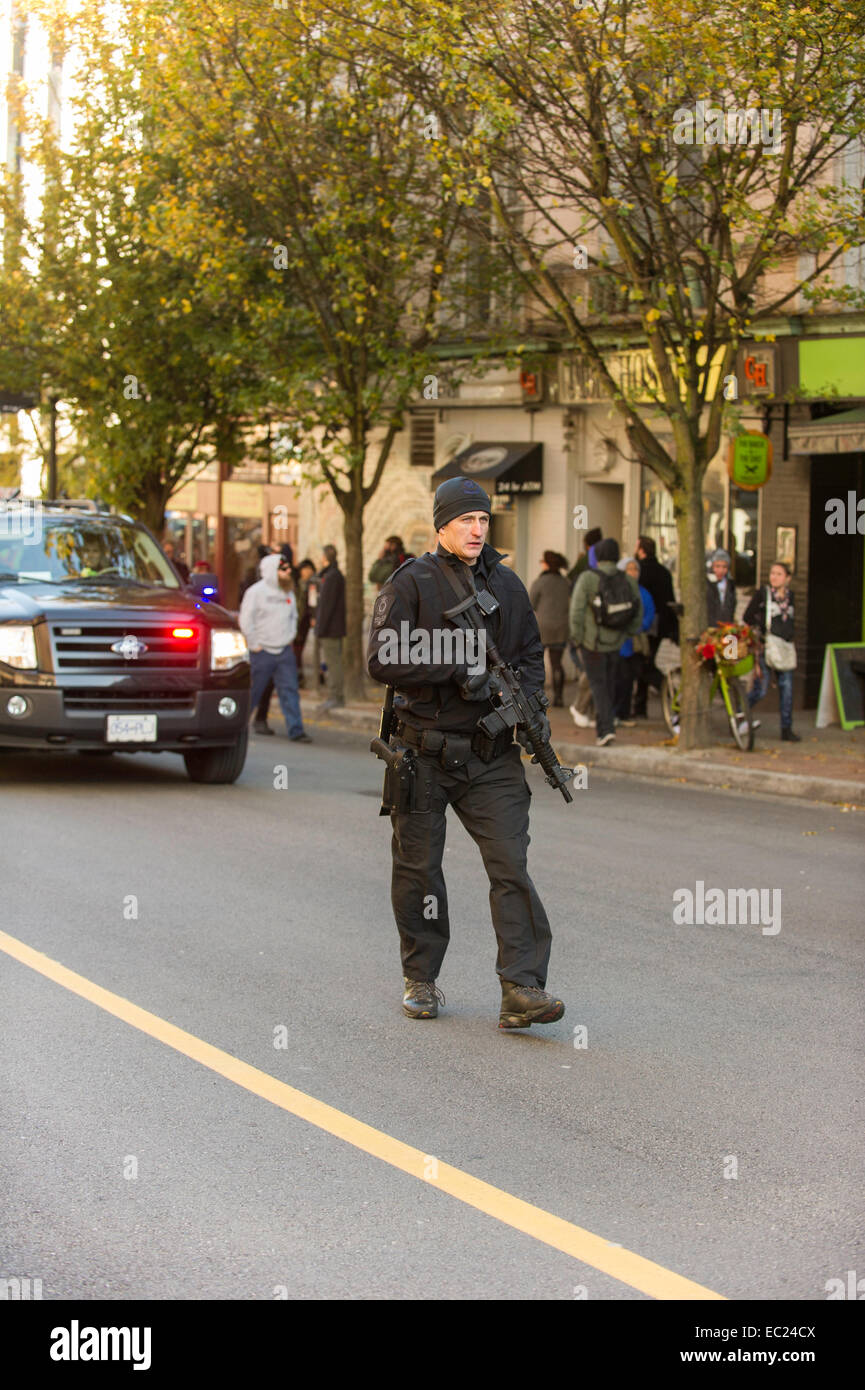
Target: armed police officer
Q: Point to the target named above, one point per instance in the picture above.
(437, 703)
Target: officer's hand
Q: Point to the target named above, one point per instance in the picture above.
(478, 687)
(542, 724)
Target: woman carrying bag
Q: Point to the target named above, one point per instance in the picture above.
(550, 597)
(770, 613)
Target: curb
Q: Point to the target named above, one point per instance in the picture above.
(658, 762)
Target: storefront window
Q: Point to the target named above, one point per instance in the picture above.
(657, 519)
(744, 516)
(730, 517)
(243, 537)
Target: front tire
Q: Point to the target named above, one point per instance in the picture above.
(217, 764)
(743, 737)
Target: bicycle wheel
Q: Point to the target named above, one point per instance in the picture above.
(739, 714)
(671, 699)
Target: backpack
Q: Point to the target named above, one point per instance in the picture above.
(614, 604)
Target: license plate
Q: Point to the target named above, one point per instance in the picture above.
(131, 728)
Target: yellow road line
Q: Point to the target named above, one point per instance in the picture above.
(624, 1265)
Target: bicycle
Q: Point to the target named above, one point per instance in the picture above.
(726, 679)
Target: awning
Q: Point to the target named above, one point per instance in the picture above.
(516, 468)
(842, 433)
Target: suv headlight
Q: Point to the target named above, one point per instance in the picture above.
(227, 648)
(18, 646)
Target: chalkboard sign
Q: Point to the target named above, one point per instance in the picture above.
(848, 674)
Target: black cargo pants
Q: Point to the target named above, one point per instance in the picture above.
(492, 801)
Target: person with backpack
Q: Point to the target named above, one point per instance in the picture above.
(605, 609)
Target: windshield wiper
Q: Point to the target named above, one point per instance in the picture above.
(8, 574)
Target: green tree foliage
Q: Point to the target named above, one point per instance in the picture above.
(573, 118)
(151, 371)
(302, 155)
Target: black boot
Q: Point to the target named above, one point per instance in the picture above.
(523, 1005)
(421, 999)
(787, 736)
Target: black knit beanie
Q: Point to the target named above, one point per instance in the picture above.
(457, 496)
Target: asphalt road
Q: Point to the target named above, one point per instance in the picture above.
(711, 1123)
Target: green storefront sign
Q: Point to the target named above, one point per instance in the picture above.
(832, 367)
(749, 460)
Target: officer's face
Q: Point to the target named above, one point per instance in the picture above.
(466, 535)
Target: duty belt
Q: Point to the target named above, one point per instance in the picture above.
(453, 749)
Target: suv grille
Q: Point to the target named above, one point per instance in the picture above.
(83, 701)
(88, 647)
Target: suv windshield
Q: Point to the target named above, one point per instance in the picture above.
(86, 548)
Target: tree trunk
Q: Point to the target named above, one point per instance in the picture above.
(354, 655)
(688, 511)
(152, 507)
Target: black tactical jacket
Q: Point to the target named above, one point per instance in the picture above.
(428, 696)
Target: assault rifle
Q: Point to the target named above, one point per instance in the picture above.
(400, 763)
(514, 706)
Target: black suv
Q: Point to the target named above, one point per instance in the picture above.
(103, 649)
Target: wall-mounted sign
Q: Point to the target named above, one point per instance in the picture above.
(13, 401)
(749, 460)
(633, 372)
(756, 371)
(185, 499)
(241, 499)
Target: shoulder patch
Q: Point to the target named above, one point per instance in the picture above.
(382, 606)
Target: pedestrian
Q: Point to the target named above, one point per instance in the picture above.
(658, 581)
(605, 608)
(268, 621)
(305, 588)
(169, 550)
(252, 576)
(583, 708)
(720, 591)
(392, 556)
(634, 651)
(439, 704)
(771, 613)
(550, 596)
(330, 626)
(587, 559)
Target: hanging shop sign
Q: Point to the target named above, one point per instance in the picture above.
(749, 460)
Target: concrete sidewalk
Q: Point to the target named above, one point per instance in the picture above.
(828, 765)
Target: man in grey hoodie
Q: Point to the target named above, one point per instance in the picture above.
(268, 621)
